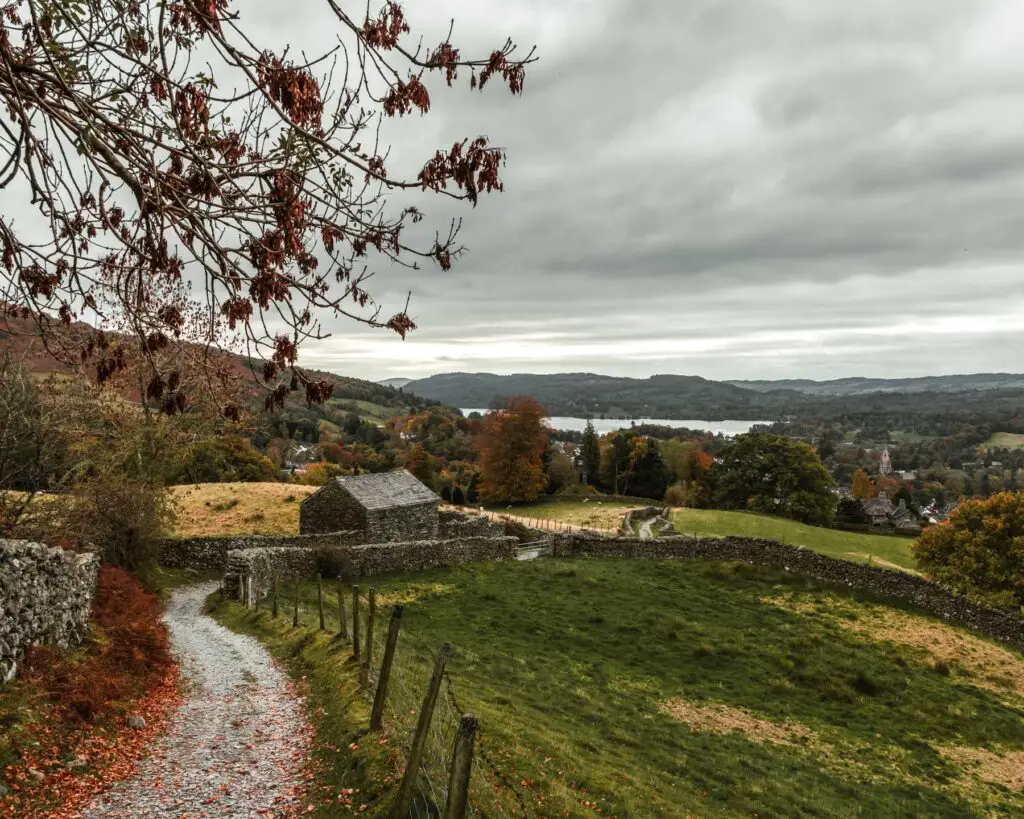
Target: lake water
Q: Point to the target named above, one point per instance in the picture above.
(602, 426)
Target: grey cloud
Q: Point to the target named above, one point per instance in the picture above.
(710, 171)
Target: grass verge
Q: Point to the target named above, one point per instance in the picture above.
(354, 772)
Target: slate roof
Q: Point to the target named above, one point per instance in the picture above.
(387, 490)
(877, 507)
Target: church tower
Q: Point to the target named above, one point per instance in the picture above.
(885, 467)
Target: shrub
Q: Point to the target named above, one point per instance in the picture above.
(334, 563)
(125, 654)
(579, 490)
(223, 460)
(977, 551)
(289, 499)
(458, 496)
(318, 474)
(446, 494)
(675, 495)
(514, 528)
(124, 518)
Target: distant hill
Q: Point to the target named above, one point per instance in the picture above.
(370, 400)
(397, 383)
(690, 397)
(583, 394)
(863, 386)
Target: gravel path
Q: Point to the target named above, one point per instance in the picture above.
(235, 748)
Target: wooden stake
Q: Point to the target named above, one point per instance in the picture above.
(368, 652)
(355, 623)
(379, 698)
(342, 618)
(462, 768)
(419, 739)
(320, 600)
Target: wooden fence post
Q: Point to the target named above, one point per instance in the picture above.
(295, 617)
(320, 600)
(368, 652)
(274, 604)
(355, 623)
(462, 767)
(342, 618)
(419, 738)
(379, 698)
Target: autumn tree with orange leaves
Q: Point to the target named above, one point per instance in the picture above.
(174, 180)
(511, 444)
(863, 487)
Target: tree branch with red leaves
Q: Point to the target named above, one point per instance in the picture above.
(166, 210)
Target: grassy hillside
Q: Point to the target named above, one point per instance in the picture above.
(1005, 440)
(601, 514)
(884, 550)
(675, 689)
(238, 508)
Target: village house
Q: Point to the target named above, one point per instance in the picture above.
(883, 514)
(387, 507)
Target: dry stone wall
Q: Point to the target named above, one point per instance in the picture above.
(251, 571)
(212, 552)
(45, 597)
(458, 525)
(918, 591)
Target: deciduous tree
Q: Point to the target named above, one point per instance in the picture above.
(777, 476)
(195, 182)
(979, 550)
(863, 487)
(511, 444)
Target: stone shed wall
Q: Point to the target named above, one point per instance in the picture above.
(45, 597)
(909, 588)
(212, 552)
(398, 523)
(250, 573)
(330, 509)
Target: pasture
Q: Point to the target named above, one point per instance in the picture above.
(883, 550)
(673, 689)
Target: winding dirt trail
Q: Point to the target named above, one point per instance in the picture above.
(237, 745)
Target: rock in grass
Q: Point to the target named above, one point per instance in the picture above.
(135, 721)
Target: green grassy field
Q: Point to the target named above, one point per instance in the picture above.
(881, 549)
(1005, 440)
(601, 514)
(672, 689)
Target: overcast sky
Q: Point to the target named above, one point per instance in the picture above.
(727, 188)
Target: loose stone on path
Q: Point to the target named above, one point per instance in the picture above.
(235, 747)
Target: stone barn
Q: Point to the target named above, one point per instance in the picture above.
(385, 508)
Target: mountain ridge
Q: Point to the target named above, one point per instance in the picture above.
(688, 396)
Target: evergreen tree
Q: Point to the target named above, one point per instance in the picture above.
(591, 454)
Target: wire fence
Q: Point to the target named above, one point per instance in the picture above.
(493, 791)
